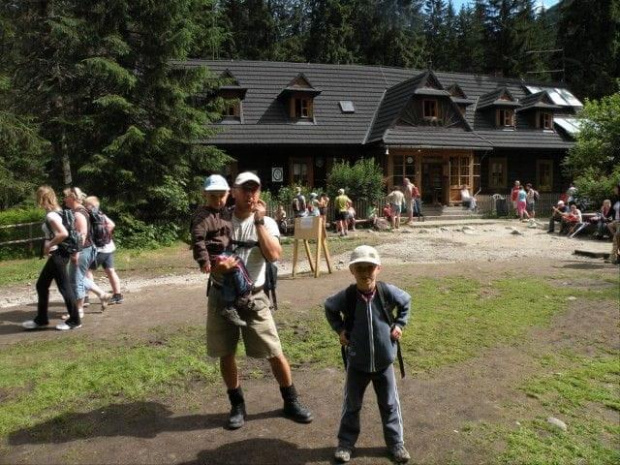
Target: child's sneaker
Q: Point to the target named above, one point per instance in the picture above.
(342, 454)
(244, 302)
(86, 302)
(400, 454)
(116, 299)
(232, 315)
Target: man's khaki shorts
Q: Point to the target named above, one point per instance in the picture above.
(260, 337)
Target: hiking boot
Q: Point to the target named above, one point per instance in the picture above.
(342, 454)
(116, 299)
(294, 409)
(237, 416)
(400, 454)
(232, 316)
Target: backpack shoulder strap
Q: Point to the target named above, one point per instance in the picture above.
(350, 303)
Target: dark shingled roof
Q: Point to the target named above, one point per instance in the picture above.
(379, 94)
(493, 99)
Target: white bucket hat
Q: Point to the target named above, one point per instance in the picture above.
(365, 254)
(215, 182)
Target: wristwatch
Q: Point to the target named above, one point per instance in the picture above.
(258, 222)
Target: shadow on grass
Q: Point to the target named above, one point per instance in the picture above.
(138, 419)
(270, 451)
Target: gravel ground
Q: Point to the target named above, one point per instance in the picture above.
(429, 242)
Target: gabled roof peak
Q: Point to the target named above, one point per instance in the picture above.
(500, 97)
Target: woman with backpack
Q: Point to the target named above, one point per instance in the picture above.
(81, 260)
(55, 269)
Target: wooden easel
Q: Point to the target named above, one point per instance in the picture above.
(306, 229)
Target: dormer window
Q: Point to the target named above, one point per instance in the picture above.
(430, 109)
(233, 109)
(232, 95)
(301, 108)
(298, 99)
(545, 120)
(505, 118)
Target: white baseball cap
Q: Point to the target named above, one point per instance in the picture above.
(246, 176)
(341, 191)
(365, 254)
(215, 182)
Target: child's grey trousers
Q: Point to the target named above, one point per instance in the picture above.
(384, 384)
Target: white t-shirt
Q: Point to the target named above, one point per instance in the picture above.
(244, 230)
(50, 217)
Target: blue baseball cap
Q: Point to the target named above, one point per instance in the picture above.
(215, 182)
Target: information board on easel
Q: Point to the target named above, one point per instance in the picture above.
(307, 229)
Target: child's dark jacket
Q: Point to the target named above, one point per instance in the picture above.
(371, 347)
(211, 233)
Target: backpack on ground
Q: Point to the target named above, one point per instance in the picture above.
(349, 319)
(73, 242)
(99, 233)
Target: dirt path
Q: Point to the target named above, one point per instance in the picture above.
(437, 407)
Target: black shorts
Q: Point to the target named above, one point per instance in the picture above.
(342, 216)
(105, 260)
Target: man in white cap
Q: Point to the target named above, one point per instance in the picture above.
(256, 242)
(362, 317)
(557, 215)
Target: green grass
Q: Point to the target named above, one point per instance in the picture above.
(39, 380)
(585, 394)
(453, 320)
(176, 259)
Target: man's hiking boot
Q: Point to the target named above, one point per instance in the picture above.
(236, 419)
(294, 409)
(400, 454)
(237, 416)
(342, 454)
(232, 316)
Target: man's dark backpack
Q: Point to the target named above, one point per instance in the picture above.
(536, 196)
(349, 319)
(99, 233)
(73, 242)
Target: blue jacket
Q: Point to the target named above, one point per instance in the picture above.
(371, 347)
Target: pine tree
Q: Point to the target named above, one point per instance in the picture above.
(588, 31)
(111, 100)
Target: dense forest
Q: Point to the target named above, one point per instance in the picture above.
(91, 93)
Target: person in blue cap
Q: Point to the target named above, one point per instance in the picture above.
(211, 244)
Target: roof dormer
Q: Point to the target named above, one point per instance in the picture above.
(501, 105)
(538, 109)
(233, 95)
(298, 97)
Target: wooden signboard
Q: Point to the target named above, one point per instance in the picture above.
(306, 229)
